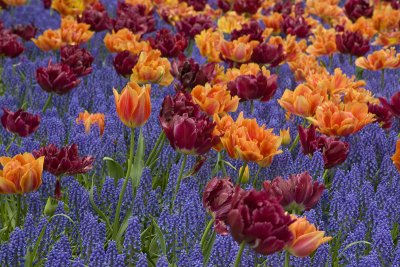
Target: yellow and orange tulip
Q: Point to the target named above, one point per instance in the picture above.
(89, 119)
(379, 60)
(208, 43)
(239, 50)
(49, 40)
(124, 39)
(68, 7)
(74, 33)
(323, 42)
(396, 156)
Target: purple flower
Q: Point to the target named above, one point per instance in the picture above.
(358, 8)
(20, 122)
(78, 59)
(56, 78)
(352, 43)
(253, 29)
(124, 62)
(170, 45)
(269, 54)
(193, 25)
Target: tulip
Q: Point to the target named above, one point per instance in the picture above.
(249, 87)
(379, 60)
(190, 73)
(295, 26)
(56, 78)
(20, 174)
(323, 42)
(209, 43)
(96, 16)
(224, 5)
(78, 59)
(125, 40)
(393, 105)
(197, 5)
(68, 7)
(170, 45)
(191, 26)
(49, 40)
(257, 218)
(124, 62)
(214, 99)
(217, 200)
(246, 6)
(269, 54)
(134, 18)
(9, 45)
(285, 136)
(383, 114)
(298, 193)
(222, 125)
(20, 122)
(253, 29)
(152, 68)
(306, 238)
(133, 104)
(74, 33)
(89, 119)
(239, 50)
(26, 32)
(358, 8)
(352, 43)
(396, 156)
(245, 174)
(47, 3)
(64, 161)
(307, 137)
(180, 104)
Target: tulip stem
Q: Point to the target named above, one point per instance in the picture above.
(330, 61)
(178, 184)
(17, 220)
(239, 255)
(121, 194)
(242, 172)
(382, 78)
(155, 149)
(48, 101)
(295, 142)
(256, 176)
(206, 231)
(351, 60)
(251, 107)
(287, 259)
(11, 142)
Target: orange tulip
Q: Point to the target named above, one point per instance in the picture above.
(306, 238)
(14, 2)
(341, 119)
(305, 65)
(326, 10)
(273, 21)
(88, 119)
(239, 50)
(387, 39)
(133, 104)
(323, 42)
(214, 99)
(385, 18)
(124, 39)
(363, 25)
(396, 156)
(222, 125)
(68, 7)
(208, 43)
(246, 140)
(285, 135)
(49, 40)
(291, 48)
(73, 32)
(21, 174)
(303, 101)
(378, 60)
(152, 68)
(359, 95)
(230, 21)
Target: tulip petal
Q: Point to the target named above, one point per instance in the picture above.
(7, 187)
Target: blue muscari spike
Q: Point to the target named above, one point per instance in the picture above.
(382, 241)
(91, 233)
(299, 262)
(142, 260)
(322, 256)
(162, 262)
(35, 205)
(109, 197)
(14, 251)
(97, 258)
(353, 252)
(78, 200)
(371, 259)
(224, 251)
(112, 254)
(60, 254)
(132, 243)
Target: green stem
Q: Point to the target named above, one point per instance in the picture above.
(12, 141)
(382, 78)
(251, 107)
(155, 149)
(18, 218)
(121, 194)
(48, 101)
(330, 61)
(287, 259)
(178, 184)
(206, 231)
(295, 142)
(256, 176)
(351, 60)
(239, 255)
(242, 172)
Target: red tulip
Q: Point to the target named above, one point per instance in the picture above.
(79, 59)
(47, 4)
(269, 54)
(383, 114)
(124, 63)
(64, 161)
(134, 18)
(253, 29)
(96, 16)
(393, 105)
(298, 193)
(352, 43)
(20, 122)
(295, 26)
(258, 219)
(9, 45)
(197, 5)
(307, 136)
(26, 32)
(224, 5)
(358, 8)
(246, 6)
(56, 78)
(170, 45)
(191, 26)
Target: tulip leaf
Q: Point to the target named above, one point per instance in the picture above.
(208, 247)
(138, 162)
(123, 227)
(99, 212)
(115, 170)
(160, 237)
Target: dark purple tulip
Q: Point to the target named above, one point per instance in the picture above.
(26, 32)
(124, 63)
(358, 8)
(47, 3)
(191, 26)
(394, 105)
(190, 73)
(249, 87)
(268, 54)
(383, 114)
(295, 26)
(395, 4)
(9, 44)
(64, 161)
(134, 18)
(197, 5)
(78, 59)
(246, 6)
(217, 200)
(258, 219)
(56, 78)
(169, 44)
(96, 16)
(307, 136)
(253, 29)
(298, 193)
(333, 151)
(179, 104)
(20, 122)
(283, 7)
(224, 5)
(352, 43)
(1, 25)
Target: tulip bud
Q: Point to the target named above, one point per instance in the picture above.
(50, 207)
(285, 135)
(245, 175)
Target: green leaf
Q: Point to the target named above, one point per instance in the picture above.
(99, 212)
(138, 162)
(160, 237)
(208, 247)
(123, 227)
(114, 169)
